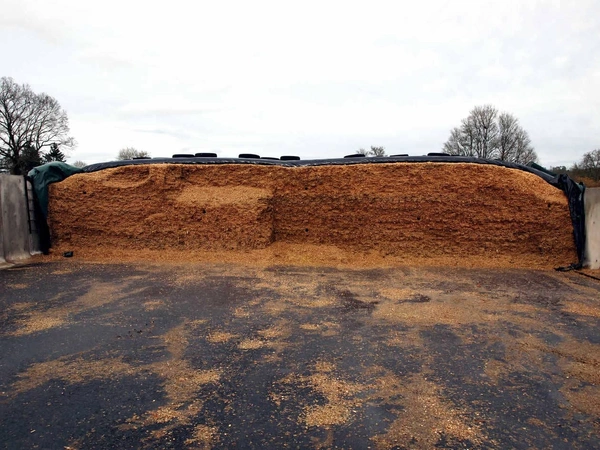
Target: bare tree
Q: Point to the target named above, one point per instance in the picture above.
(79, 164)
(487, 134)
(483, 123)
(468, 139)
(507, 141)
(377, 151)
(131, 152)
(458, 143)
(514, 144)
(29, 124)
(590, 164)
(524, 152)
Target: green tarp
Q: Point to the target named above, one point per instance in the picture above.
(42, 176)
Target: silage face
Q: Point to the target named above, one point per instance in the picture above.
(403, 212)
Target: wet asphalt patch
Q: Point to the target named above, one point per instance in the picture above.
(211, 356)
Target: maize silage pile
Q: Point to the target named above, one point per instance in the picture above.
(407, 211)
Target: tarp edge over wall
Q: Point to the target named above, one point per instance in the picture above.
(41, 177)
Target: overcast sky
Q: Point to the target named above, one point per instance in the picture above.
(314, 79)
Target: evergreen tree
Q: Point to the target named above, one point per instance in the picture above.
(29, 158)
(54, 154)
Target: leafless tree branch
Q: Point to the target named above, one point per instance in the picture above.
(29, 121)
(487, 134)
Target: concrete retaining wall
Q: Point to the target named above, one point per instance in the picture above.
(592, 228)
(2, 260)
(18, 239)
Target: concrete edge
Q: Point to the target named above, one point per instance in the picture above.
(591, 202)
(19, 238)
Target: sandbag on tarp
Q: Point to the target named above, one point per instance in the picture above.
(41, 177)
(322, 162)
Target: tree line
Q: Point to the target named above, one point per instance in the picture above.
(490, 134)
(587, 170)
(34, 129)
(124, 154)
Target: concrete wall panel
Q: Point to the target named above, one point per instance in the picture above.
(34, 235)
(2, 260)
(14, 230)
(592, 228)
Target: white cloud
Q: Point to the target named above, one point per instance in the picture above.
(311, 78)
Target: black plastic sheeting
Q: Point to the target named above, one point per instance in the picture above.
(575, 193)
(573, 190)
(317, 162)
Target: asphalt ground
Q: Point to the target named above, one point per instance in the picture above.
(223, 356)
